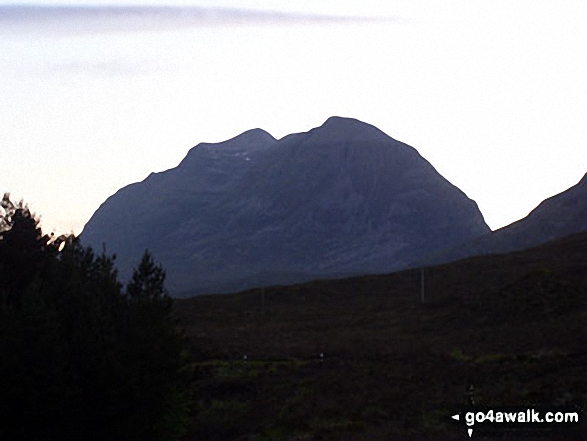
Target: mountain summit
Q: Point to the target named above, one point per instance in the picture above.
(341, 199)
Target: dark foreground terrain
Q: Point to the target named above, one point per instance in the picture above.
(393, 367)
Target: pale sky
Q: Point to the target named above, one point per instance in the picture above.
(492, 93)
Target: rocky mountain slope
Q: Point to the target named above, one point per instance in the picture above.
(554, 218)
(341, 199)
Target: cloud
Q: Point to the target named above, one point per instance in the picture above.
(92, 19)
(79, 40)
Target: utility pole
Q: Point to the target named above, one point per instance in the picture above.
(422, 285)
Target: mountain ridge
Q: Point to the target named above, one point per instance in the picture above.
(558, 216)
(341, 199)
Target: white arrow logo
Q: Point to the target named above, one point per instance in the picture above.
(457, 417)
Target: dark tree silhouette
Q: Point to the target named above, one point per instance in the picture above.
(147, 283)
(79, 357)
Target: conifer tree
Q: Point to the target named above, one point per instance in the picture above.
(80, 358)
(147, 284)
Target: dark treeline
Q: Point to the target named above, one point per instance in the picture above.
(81, 356)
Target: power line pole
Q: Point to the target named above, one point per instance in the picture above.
(422, 285)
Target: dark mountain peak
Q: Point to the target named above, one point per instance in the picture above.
(341, 199)
(341, 122)
(251, 139)
(253, 135)
(348, 126)
(338, 129)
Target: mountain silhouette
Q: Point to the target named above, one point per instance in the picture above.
(341, 199)
(556, 217)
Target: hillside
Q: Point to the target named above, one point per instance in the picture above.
(341, 199)
(556, 217)
(393, 367)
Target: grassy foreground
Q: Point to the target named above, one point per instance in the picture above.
(393, 367)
